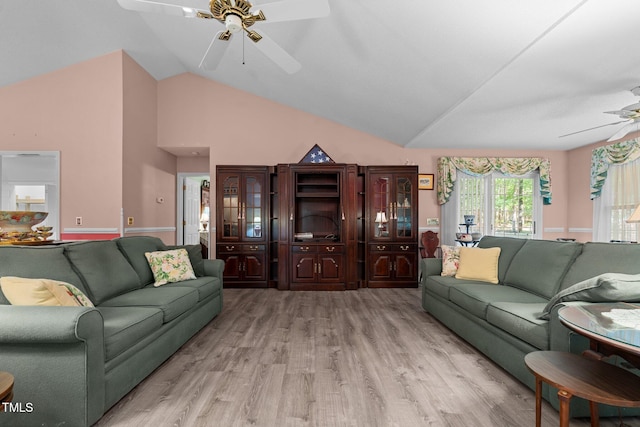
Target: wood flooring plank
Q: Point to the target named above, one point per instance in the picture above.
(369, 358)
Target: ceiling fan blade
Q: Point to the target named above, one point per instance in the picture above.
(278, 55)
(291, 10)
(163, 8)
(595, 127)
(214, 53)
(625, 130)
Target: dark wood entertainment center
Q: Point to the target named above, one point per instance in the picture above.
(321, 226)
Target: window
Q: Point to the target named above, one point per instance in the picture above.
(502, 205)
(619, 198)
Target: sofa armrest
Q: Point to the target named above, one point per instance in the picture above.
(44, 324)
(214, 267)
(56, 354)
(431, 267)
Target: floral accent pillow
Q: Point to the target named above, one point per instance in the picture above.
(26, 291)
(170, 266)
(450, 260)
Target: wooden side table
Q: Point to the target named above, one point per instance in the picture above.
(6, 388)
(575, 375)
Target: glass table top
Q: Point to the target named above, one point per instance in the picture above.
(615, 323)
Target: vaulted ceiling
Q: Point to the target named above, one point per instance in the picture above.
(419, 73)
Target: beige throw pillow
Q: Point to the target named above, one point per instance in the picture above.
(479, 264)
(23, 291)
(170, 266)
(450, 260)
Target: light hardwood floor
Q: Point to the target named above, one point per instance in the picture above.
(370, 357)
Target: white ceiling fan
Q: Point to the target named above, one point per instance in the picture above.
(236, 15)
(630, 114)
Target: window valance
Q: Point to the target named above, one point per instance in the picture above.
(602, 157)
(479, 166)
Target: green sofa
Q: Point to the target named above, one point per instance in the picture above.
(504, 321)
(71, 364)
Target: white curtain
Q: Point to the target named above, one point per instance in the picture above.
(450, 217)
(622, 190)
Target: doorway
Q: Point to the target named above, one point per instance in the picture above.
(191, 216)
(30, 181)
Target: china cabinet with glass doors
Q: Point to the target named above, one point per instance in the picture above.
(242, 200)
(391, 226)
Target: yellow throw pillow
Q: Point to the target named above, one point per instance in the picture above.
(479, 264)
(170, 266)
(23, 291)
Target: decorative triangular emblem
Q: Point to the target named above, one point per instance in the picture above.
(316, 155)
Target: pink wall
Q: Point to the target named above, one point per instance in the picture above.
(240, 128)
(78, 111)
(149, 173)
(101, 116)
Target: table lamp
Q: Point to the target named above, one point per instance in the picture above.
(635, 216)
(204, 218)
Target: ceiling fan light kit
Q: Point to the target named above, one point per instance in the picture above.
(236, 16)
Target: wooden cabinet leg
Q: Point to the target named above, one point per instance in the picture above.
(538, 401)
(565, 398)
(595, 418)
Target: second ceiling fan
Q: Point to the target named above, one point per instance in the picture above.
(236, 16)
(630, 115)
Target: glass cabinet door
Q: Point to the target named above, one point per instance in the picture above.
(251, 210)
(402, 211)
(382, 206)
(231, 206)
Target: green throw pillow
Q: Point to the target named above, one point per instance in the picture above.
(608, 287)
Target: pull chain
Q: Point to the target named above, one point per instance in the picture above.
(243, 50)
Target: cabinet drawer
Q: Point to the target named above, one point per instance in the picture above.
(328, 249)
(304, 249)
(393, 247)
(229, 247)
(253, 248)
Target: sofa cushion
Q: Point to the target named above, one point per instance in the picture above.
(609, 287)
(133, 248)
(509, 246)
(479, 264)
(475, 298)
(104, 269)
(440, 285)
(540, 265)
(600, 258)
(173, 301)
(170, 266)
(126, 326)
(206, 286)
(23, 291)
(520, 320)
(52, 264)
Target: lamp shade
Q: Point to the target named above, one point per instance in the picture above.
(205, 215)
(635, 216)
(381, 217)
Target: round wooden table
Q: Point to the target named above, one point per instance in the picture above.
(6, 388)
(574, 375)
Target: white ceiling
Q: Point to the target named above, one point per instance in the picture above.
(419, 73)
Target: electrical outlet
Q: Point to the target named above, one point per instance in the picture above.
(130, 220)
(78, 220)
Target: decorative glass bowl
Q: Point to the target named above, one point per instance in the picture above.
(20, 221)
(16, 228)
